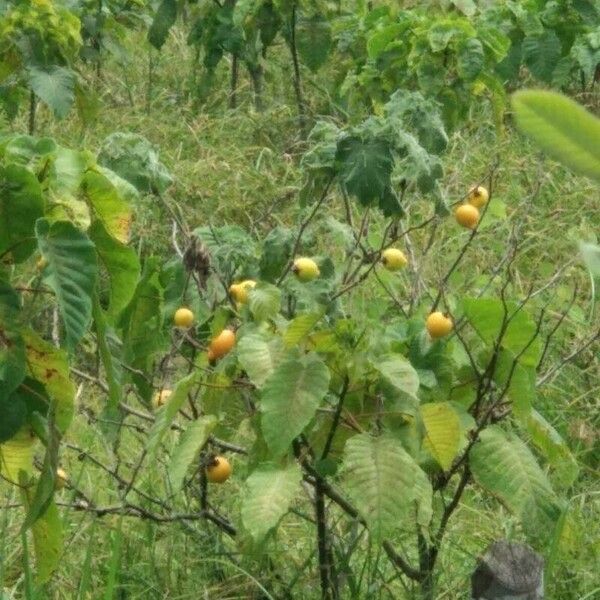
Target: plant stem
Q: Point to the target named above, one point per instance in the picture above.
(297, 77)
(32, 107)
(233, 81)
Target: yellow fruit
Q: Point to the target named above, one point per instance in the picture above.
(221, 345)
(240, 291)
(478, 196)
(438, 325)
(183, 318)
(61, 479)
(219, 471)
(467, 216)
(41, 263)
(160, 398)
(393, 259)
(305, 269)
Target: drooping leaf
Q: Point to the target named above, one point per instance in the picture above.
(270, 490)
(503, 465)
(55, 86)
(164, 19)
(71, 273)
(442, 432)
(21, 204)
(380, 477)
(50, 366)
(258, 356)
(313, 40)
(48, 543)
(563, 128)
(290, 399)
(192, 440)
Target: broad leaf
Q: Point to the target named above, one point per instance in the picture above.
(164, 19)
(192, 440)
(397, 371)
(270, 490)
(47, 543)
(591, 257)
(259, 356)
(442, 432)
(313, 39)
(55, 86)
(16, 455)
(299, 327)
(541, 53)
(290, 399)
(264, 301)
(563, 128)
(21, 204)
(503, 465)
(71, 273)
(385, 483)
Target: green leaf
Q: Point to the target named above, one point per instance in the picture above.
(364, 165)
(541, 53)
(503, 465)
(71, 273)
(21, 204)
(270, 490)
(50, 366)
(190, 443)
(12, 347)
(563, 128)
(47, 543)
(299, 327)
(259, 356)
(470, 59)
(122, 266)
(591, 257)
(486, 315)
(442, 432)
(16, 455)
(290, 399)
(277, 251)
(397, 371)
(384, 483)
(164, 19)
(264, 301)
(169, 411)
(55, 86)
(313, 40)
(521, 389)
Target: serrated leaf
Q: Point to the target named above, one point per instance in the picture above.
(364, 165)
(290, 399)
(384, 483)
(503, 465)
(264, 301)
(190, 443)
(71, 273)
(299, 327)
(259, 356)
(442, 432)
(270, 490)
(55, 86)
(21, 204)
(563, 128)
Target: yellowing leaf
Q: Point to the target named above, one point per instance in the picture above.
(442, 432)
(17, 455)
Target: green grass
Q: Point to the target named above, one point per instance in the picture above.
(243, 167)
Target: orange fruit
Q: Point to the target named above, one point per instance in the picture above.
(221, 345)
(219, 470)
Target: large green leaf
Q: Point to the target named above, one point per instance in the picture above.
(12, 348)
(164, 19)
(313, 39)
(299, 327)
(486, 315)
(503, 465)
(258, 356)
(55, 86)
(270, 490)
(397, 371)
(385, 483)
(122, 266)
(290, 399)
(364, 164)
(47, 543)
(563, 128)
(442, 432)
(21, 204)
(541, 53)
(50, 366)
(264, 301)
(71, 272)
(190, 443)
(16, 455)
